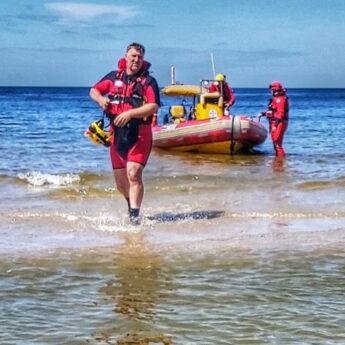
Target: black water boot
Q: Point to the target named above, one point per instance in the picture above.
(134, 216)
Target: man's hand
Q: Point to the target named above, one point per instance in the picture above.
(269, 114)
(123, 118)
(103, 102)
(98, 98)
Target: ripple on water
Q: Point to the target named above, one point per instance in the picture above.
(96, 295)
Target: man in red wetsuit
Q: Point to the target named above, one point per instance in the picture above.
(224, 90)
(129, 97)
(278, 116)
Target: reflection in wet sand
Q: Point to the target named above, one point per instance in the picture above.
(136, 289)
(144, 340)
(278, 164)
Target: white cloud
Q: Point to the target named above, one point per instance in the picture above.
(68, 11)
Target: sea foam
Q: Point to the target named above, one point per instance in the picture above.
(36, 178)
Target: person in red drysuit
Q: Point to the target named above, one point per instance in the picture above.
(129, 97)
(278, 116)
(223, 87)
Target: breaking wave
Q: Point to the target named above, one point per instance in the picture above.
(36, 178)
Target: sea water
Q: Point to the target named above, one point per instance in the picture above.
(266, 266)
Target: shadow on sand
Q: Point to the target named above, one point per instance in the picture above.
(173, 217)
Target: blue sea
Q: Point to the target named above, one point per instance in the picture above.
(243, 249)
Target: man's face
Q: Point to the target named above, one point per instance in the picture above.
(134, 60)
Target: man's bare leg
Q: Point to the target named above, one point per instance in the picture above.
(136, 187)
(135, 180)
(122, 183)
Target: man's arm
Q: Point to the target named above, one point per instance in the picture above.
(231, 95)
(98, 98)
(145, 110)
(101, 88)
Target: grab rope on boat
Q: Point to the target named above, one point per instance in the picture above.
(232, 141)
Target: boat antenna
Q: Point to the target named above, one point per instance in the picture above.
(172, 75)
(213, 66)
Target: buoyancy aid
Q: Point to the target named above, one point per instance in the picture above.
(279, 107)
(128, 92)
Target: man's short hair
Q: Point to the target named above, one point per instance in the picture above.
(136, 46)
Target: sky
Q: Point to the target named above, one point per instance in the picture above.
(253, 42)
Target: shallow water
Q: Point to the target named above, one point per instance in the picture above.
(231, 250)
(133, 294)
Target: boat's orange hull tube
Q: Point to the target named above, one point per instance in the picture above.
(228, 134)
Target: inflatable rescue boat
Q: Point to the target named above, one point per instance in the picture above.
(201, 126)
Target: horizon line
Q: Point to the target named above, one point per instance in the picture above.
(240, 87)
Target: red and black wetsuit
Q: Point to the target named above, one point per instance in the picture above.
(278, 117)
(228, 94)
(133, 142)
